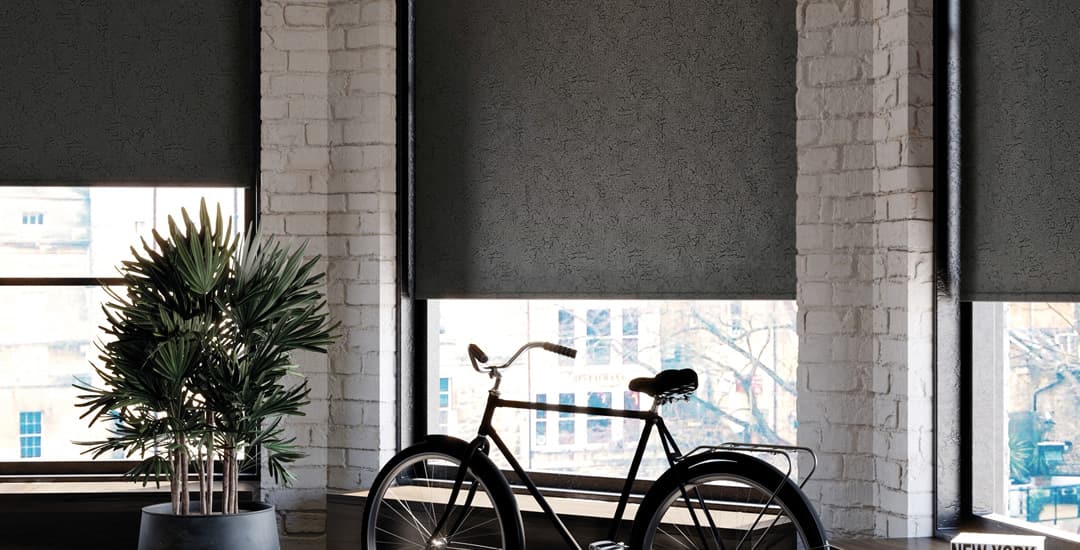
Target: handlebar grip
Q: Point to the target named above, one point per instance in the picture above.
(477, 354)
(561, 350)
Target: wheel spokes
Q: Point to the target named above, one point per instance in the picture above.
(412, 504)
(707, 516)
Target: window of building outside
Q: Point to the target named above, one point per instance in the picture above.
(30, 434)
(1026, 388)
(56, 245)
(745, 361)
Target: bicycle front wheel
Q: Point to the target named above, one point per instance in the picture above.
(726, 501)
(410, 495)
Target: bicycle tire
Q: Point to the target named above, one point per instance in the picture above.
(406, 522)
(738, 488)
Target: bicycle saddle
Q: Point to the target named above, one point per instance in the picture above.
(667, 384)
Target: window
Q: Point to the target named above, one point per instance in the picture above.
(566, 334)
(629, 335)
(598, 333)
(444, 393)
(1026, 376)
(631, 426)
(182, 125)
(566, 420)
(444, 402)
(51, 276)
(540, 422)
(599, 429)
(692, 334)
(30, 434)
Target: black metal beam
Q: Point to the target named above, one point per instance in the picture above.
(949, 429)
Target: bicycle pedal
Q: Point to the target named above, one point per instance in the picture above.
(606, 545)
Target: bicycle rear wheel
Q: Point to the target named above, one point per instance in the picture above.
(411, 492)
(726, 501)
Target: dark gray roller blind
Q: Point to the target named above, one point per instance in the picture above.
(1021, 150)
(610, 149)
(128, 91)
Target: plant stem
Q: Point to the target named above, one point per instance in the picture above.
(226, 481)
(210, 478)
(235, 483)
(185, 494)
(200, 471)
(174, 482)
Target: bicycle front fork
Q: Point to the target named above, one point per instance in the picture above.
(437, 540)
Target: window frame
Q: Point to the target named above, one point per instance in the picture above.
(90, 469)
(954, 374)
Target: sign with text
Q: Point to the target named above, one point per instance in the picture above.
(991, 541)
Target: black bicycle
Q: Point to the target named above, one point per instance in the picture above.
(446, 494)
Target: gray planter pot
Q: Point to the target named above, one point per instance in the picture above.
(254, 529)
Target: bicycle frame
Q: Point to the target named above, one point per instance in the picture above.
(486, 431)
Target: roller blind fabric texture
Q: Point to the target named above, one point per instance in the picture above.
(605, 149)
(144, 91)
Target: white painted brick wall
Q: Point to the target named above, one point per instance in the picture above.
(864, 244)
(362, 233)
(903, 308)
(328, 176)
(293, 206)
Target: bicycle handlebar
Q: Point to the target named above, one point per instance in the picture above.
(477, 356)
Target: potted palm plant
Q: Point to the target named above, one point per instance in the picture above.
(195, 373)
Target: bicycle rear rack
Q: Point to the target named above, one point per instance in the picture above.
(786, 451)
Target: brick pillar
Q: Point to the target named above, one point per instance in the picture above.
(328, 176)
(295, 169)
(835, 241)
(903, 267)
(864, 244)
(362, 235)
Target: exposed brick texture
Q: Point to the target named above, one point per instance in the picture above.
(362, 234)
(864, 239)
(328, 177)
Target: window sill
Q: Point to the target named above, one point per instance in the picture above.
(103, 487)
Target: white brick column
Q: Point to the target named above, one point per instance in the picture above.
(864, 244)
(295, 169)
(835, 241)
(328, 176)
(903, 267)
(363, 239)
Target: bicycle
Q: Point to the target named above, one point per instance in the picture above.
(444, 493)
